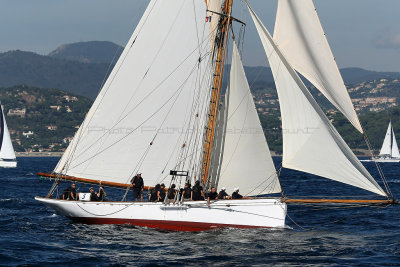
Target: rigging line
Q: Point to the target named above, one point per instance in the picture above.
(380, 171)
(143, 78)
(179, 89)
(195, 22)
(197, 105)
(179, 139)
(268, 185)
(162, 123)
(69, 158)
(155, 56)
(148, 95)
(191, 120)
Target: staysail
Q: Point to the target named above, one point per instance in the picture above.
(386, 148)
(301, 38)
(306, 128)
(6, 147)
(247, 162)
(148, 117)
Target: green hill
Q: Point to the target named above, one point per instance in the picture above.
(18, 67)
(42, 119)
(89, 52)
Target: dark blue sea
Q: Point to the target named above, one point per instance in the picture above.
(33, 235)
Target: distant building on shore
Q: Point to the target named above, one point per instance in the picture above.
(19, 112)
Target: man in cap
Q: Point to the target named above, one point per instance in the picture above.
(235, 194)
(222, 194)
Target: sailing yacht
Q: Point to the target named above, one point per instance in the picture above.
(7, 154)
(162, 113)
(389, 151)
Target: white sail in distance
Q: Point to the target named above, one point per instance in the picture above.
(386, 148)
(310, 142)
(395, 148)
(6, 148)
(247, 162)
(299, 35)
(142, 116)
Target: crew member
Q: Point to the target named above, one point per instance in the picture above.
(93, 195)
(154, 193)
(70, 193)
(236, 195)
(186, 192)
(197, 191)
(161, 193)
(171, 193)
(222, 194)
(212, 195)
(102, 194)
(137, 183)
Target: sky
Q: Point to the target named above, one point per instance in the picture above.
(362, 33)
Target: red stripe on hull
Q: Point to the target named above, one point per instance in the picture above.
(159, 224)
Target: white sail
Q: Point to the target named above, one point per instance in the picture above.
(6, 148)
(151, 102)
(386, 148)
(247, 162)
(306, 129)
(301, 38)
(395, 148)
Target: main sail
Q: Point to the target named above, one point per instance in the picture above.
(301, 38)
(247, 162)
(6, 147)
(149, 115)
(310, 142)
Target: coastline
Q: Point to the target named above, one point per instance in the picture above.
(357, 152)
(38, 154)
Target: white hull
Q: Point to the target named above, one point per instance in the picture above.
(8, 164)
(190, 216)
(383, 160)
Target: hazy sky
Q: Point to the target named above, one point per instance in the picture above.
(362, 33)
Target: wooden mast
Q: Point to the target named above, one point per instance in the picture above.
(221, 41)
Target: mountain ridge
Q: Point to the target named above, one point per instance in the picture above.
(73, 69)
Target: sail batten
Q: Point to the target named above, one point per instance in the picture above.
(299, 34)
(306, 128)
(247, 162)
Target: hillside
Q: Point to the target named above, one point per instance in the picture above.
(374, 123)
(42, 119)
(46, 119)
(88, 52)
(80, 68)
(18, 67)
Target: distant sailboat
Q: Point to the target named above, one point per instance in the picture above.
(389, 151)
(7, 154)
